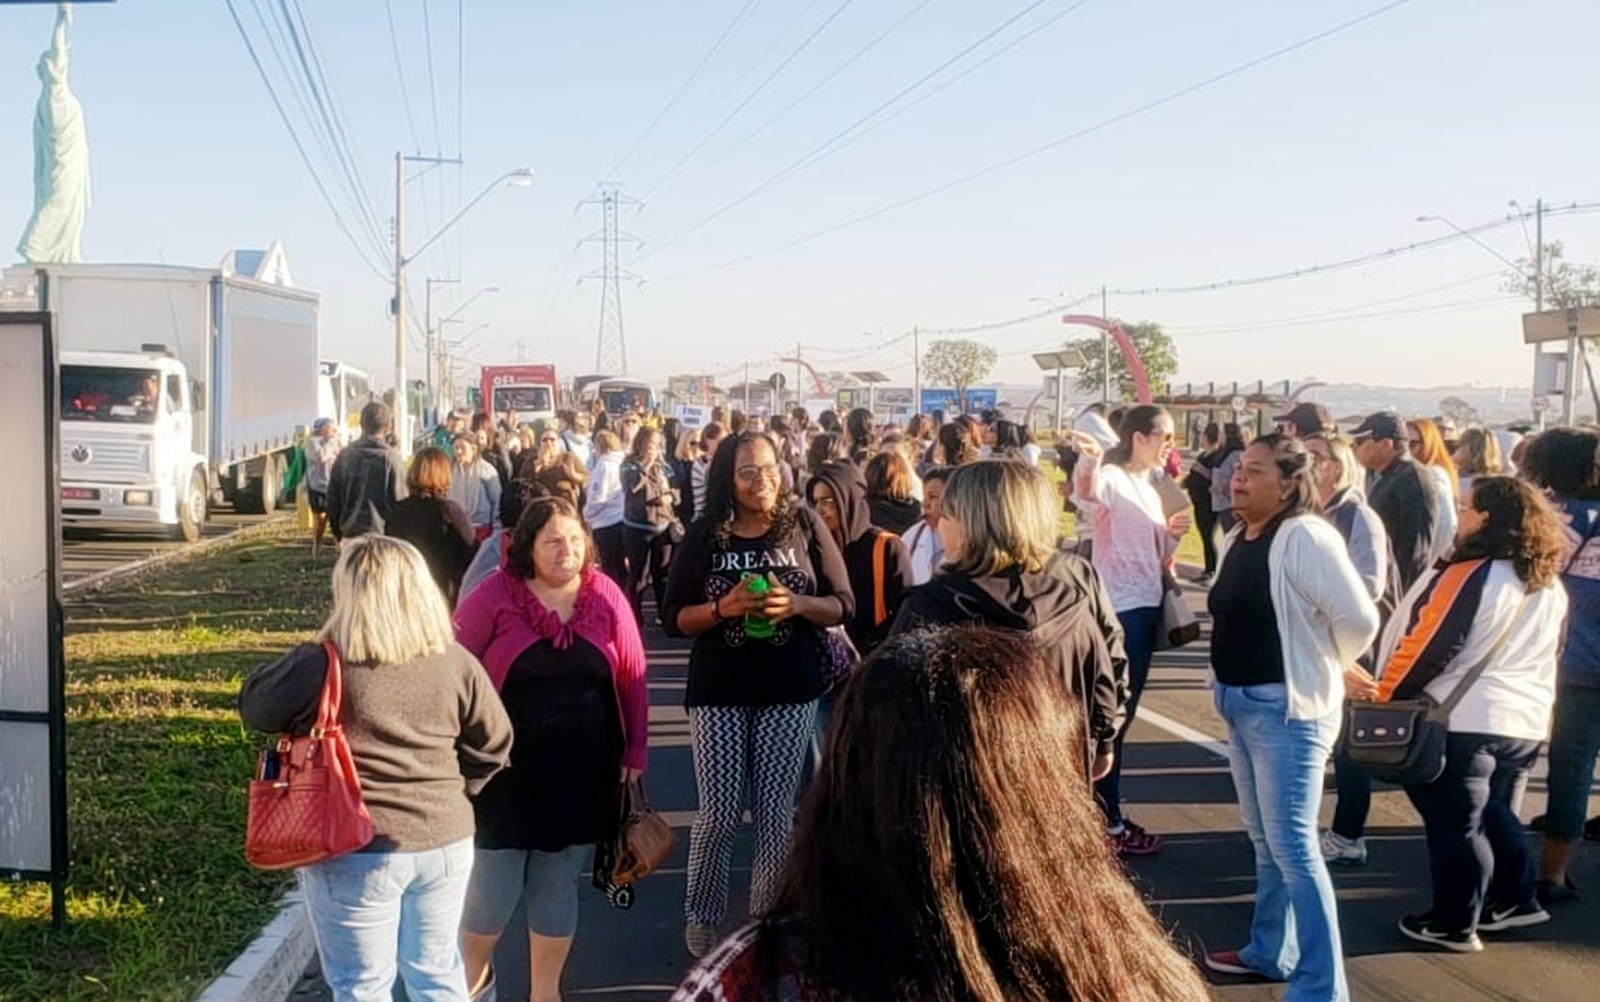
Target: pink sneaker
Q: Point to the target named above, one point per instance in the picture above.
(1133, 840)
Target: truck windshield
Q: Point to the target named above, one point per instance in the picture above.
(105, 393)
(522, 398)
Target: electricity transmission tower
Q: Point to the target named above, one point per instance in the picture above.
(611, 347)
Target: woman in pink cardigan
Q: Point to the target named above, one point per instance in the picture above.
(562, 648)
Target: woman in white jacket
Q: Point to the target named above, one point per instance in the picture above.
(602, 506)
(1498, 602)
(1289, 615)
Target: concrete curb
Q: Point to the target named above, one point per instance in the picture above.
(272, 964)
(161, 559)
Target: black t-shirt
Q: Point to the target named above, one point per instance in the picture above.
(727, 667)
(1245, 646)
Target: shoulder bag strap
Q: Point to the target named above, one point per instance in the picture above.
(332, 699)
(880, 608)
(1460, 691)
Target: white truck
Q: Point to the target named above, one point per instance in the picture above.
(179, 386)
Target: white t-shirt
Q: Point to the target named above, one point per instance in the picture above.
(1131, 545)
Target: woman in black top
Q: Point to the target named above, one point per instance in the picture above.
(876, 560)
(433, 523)
(1197, 484)
(755, 670)
(650, 513)
(888, 492)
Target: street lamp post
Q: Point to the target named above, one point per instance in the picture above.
(452, 317)
(520, 177)
(428, 350)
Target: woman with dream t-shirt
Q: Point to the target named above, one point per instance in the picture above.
(1133, 540)
(755, 668)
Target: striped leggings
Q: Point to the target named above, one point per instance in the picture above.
(737, 748)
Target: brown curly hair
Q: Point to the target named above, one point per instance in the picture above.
(1522, 527)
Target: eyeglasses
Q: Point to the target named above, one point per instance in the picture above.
(750, 474)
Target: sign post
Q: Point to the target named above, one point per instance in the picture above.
(1571, 325)
(33, 748)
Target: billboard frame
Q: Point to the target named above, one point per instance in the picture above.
(54, 716)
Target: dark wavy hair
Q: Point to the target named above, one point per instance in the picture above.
(860, 433)
(1522, 527)
(946, 829)
(824, 448)
(537, 515)
(958, 443)
(1566, 462)
(720, 494)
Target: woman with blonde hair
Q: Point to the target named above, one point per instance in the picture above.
(426, 732)
(1427, 447)
(997, 524)
(1478, 455)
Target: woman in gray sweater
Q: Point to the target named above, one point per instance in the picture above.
(427, 731)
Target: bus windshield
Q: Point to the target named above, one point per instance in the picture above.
(104, 393)
(620, 399)
(522, 398)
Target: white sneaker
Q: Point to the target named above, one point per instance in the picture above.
(1340, 851)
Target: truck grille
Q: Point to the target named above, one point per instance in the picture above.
(115, 462)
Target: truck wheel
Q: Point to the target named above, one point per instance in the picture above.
(191, 510)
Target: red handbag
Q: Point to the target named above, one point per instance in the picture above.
(305, 803)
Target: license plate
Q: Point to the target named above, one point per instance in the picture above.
(79, 494)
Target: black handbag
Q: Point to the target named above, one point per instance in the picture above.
(1403, 741)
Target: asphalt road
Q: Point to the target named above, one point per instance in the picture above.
(1201, 886)
(91, 551)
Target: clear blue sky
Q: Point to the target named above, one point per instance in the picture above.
(1445, 107)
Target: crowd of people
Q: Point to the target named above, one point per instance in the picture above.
(895, 613)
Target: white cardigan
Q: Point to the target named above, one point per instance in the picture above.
(1325, 618)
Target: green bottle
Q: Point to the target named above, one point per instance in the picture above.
(756, 625)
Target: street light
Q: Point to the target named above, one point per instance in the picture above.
(451, 318)
(1473, 237)
(521, 177)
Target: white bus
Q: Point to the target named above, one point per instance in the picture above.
(342, 392)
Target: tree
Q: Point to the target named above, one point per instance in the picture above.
(1565, 285)
(1459, 411)
(958, 364)
(1156, 351)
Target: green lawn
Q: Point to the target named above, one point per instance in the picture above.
(160, 898)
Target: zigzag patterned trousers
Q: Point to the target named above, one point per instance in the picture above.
(737, 748)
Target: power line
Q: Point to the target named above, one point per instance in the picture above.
(690, 81)
(400, 74)
(1043, 148)
(1334, 313)
(294, 137)
(776, 71)
(820, 150)
(829, 78)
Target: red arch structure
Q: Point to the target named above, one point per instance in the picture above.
(1141, 381)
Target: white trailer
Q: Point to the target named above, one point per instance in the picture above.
(180, 386)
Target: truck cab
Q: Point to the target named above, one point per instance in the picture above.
(128, 456)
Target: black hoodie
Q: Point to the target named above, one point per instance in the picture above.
(860, 540)
(1064, 608)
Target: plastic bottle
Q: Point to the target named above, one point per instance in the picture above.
(755, 624)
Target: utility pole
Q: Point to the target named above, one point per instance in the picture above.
(611, 345)
(799, 393)
(429, 349)
(1105, 354)
(401, 427)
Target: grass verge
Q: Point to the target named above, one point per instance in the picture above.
(160, 898)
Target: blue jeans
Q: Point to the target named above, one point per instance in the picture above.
(1278, 766)
(1139, 640)
(1574, 743)
(1477, 850)
(374, 911)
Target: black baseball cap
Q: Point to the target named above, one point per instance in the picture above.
(1384, 424)
(1309, 419)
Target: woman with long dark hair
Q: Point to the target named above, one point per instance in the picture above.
(1134, 539)
(1224, 460)
(754, 581)
(1197, 484)
(1289, 613)
(649, 512)
(1497, 603)
(861, 435)
(947, 851)
(957, 443)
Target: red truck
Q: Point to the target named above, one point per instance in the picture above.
(530, 390)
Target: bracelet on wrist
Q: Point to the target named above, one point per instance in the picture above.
(716, 610)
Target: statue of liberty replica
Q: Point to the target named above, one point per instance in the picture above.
(60, 161)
